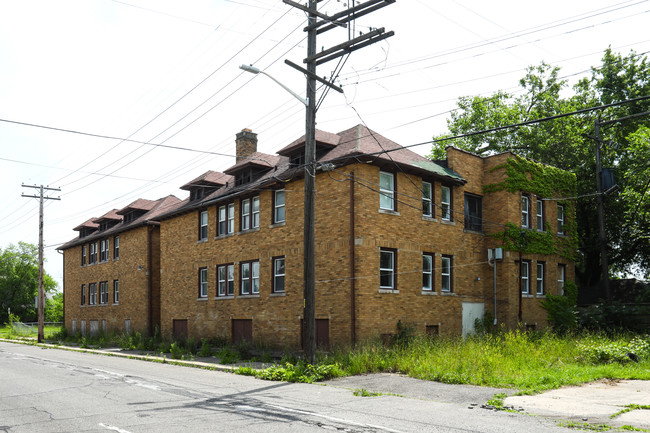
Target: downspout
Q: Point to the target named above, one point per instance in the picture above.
(353, 317)
(63, 288)
(148, 275)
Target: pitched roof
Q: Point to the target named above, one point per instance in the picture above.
(256, 159)
(139, 204)
(109, 216)
(361, 141)
(322, 138)
(88, 224)
(208, 179)
(156, 208)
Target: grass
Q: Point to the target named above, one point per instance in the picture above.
(528, 362)
(49, 331)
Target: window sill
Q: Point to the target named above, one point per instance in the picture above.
(428, 218)
(527, 295)
(226, 235)
(448, 222)
(202, 299)
(448, 294)
(277, 294)
(541, 295)
(388, 212)
(201, 241)
(116, 303)
(474, 232)
(429, 293)
(256, 295)
(223, 298)
(278, 224)
(392, 291)
(253, 230)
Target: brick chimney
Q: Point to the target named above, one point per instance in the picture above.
(246, 143)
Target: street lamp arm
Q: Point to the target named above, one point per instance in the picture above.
(253, 70)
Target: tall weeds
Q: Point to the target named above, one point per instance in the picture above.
(525, 361)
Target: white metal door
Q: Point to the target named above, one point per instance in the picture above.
(471, 312)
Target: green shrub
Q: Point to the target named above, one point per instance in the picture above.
(177, 351)
(206, 348)
(301, 372)
(561, 309)
(227, 355)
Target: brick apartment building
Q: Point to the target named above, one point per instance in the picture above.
(399, 238)
(111, 278)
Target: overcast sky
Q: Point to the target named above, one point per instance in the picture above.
(166, 72)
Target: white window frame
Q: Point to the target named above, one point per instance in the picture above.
(427, 199)
(561, 278)
(92, 294)
(279, 206)
(540, 214)
(231, 218)
(386, 190)
(445, 274)
(84, 255)
(222, 220)
(226, 280)
(525, 277)
(427, 272)
(540, 278)
(525, 211)
(116, 291)
(445, 203)
(203, 282)
(245, 214)
(203, 226)
(387, 270)
(279, 273)
(116, 247)
(561, 219)
(255, 209)
(250, 278)
(103, 292)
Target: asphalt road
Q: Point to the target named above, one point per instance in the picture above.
(49, 390)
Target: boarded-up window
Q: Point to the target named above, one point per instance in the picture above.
(180, 329)
(242, 330)
(94, 327)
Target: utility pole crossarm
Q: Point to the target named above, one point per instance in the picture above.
(314, 76)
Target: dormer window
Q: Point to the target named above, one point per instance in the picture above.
(244, 177)
(297, 159)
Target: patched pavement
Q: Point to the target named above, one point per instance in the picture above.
(594, 403)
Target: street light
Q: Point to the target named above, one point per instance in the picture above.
(253, 70)
(309, 241)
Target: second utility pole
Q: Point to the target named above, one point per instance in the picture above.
(41, 294)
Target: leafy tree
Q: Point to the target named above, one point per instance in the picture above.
(19, 281)
(54, 308)
(565, 143)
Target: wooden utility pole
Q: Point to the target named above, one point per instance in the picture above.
(318, 23)
(602, 236)
(41, 295)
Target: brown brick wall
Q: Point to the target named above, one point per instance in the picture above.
(276, 319)
(133, 290)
